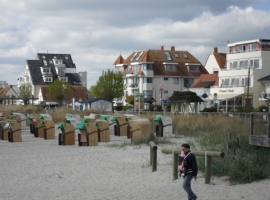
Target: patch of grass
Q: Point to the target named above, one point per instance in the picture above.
(118, 145)
(150, 137)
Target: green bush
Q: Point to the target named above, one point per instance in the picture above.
(118, 108)
(211, 109)
(263, 107)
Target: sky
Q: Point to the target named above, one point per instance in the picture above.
(96, 32)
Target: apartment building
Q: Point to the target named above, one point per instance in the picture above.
(146, 71)
(42, 71)
(244, 59)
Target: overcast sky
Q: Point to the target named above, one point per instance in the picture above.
(95, 32)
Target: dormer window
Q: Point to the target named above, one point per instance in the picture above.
(64, 79)
(46, 71)
(193, 68)
(66, 57)
(45, 62)
(50, 61)
(48, 80)
(185, 56)
(43, 57)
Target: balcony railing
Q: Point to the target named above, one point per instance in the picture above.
(46, 73)
(249, 50)
(229, 86)
(225, 69)
(132, 85)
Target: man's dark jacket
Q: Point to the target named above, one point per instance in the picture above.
(190, 164)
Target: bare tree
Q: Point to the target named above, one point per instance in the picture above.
(25, 92)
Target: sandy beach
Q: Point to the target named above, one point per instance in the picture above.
(40, 169)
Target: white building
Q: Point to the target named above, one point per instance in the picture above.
(215, 61)
(144, 70)
(233, 80)
(42, 71)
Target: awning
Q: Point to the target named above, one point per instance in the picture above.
(223, 96)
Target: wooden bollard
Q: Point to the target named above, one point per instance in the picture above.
(207, 154)
(153, 156)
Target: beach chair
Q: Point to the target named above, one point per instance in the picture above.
(139, 127)
(67, 137)
(15, 131)
(49, 130)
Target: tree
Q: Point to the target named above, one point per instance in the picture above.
(60, 90)
(25, 92)
(130, 99)
(110, 85)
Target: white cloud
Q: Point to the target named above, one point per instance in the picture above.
(95, 36)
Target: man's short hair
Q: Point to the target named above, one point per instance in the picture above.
(186, 145)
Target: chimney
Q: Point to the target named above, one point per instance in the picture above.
(172, 48)
(160, 47)
(215, 50)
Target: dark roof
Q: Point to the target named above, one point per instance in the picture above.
(266, 78)
(187, 96)
(35, 71)
(91, 100)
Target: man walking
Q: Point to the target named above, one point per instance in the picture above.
(190, 171)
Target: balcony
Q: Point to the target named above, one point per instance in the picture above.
(249, 50)
(132, 86)
(130, 73)
(46, 74)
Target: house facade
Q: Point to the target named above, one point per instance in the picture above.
(247, 61)
(46, 68)
(146, 72)
(215, 61)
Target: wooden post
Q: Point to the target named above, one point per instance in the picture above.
(175, 165)
(153, 156)
(207, 154)
(251, 124)
(207, 168)
(268, 126)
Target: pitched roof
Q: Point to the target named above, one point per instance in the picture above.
(119, 60)
(221, 59)
(78, 92)
(205, 81)
(158, 57)
(3, 91)
(266, 78)
(186, 96)
(35, 71)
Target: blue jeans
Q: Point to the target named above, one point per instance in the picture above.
(187, 186)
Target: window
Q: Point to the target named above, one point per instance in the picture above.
(252, 47)
(168, 56)
(193, 68)
(63, 79)
(235, 82)
(233, 65)
(244, 81)
(166, 79)
(188, 82)
(254, 63)
(133, 56)
(147, 80)
(66, 57)
(185, 55)
(170, 68)
(148, 93)
(45, 62)
(139, 55)
(243, 64)
(166, 92)
(147, 67)
(175, 80)
(43, 57)
(176, 55)
(120, 69)
(50, 61)
(225, 83)
(48, 79)
(135, 69)
(46, 70)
